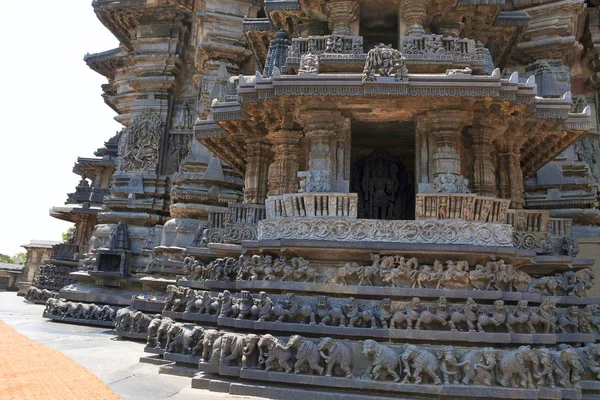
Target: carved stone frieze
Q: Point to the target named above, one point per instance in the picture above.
(361, 230)
(140, 153)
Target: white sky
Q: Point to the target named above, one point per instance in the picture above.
(52, 112)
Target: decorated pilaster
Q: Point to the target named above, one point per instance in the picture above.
(327, 132)
(413, 14)
(445, 132)
(510, 173)
(257, 170)
(283, 172)
(483, 161)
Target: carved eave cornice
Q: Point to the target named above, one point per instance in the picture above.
(220, 142)
(74, 212)
(259, 33)
(543, 145)
(107, 62)
(122, 17)
(553, 33)
(90, 167)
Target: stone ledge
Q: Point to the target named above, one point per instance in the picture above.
(382, 291)
(431, 231)
(462, 391)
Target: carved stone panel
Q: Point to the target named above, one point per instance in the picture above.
(141, 150)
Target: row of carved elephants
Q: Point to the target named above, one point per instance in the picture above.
(415, 314)
(395, 271)
(525, 367)
(59, 308)
(39, 295)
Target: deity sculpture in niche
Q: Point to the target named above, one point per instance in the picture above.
(381, 183)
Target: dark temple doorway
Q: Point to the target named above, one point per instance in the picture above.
(383, 158)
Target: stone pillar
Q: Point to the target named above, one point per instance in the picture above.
(413, 13)
(445, 131)
(484, 166)
(511, 175)
(257, 168)
(283, 172)
(322, 129)
(342, 13)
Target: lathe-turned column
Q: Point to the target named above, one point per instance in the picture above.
(445, 132)
(283, 172)
(484, 166)
(342, 13)
(321, 128)
(510, 173)
(413, 13)
(257, 169)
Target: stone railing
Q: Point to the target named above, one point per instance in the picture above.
(233, 226)
(309, 205)
(447, 51)
(559, 226)
(246, 213)
(528, 220)
(530, 230)
(331, 49)
(470, 207)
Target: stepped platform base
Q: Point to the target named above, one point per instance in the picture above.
(148, 306)
(173, 368)
(78, 321)
(132, 335)
(270, 385)
(154, 360)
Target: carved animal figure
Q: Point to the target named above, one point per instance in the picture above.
(152, 338)
(250, 343)
(467, 315)
(343, 273)
(232, 348)
(589, 359)
(208, 340)
(440, 315)
(422, 362)
(497, 318)
(163, 329)
(273, 354)
(523, 363)
(562, 364)
(383, 361)
(335, 354)
(481, 365)
(124, 320)
(409, 314)
(307, 353)
(334, 316)
(450, 366)
(520, 316)
(185, 340)
(141, 321)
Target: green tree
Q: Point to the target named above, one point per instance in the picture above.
(19, 258)
(68, 234)
(5, 259)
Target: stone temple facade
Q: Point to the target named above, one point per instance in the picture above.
(349, 197)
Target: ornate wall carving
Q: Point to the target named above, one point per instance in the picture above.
(420, 231)
(141, 150)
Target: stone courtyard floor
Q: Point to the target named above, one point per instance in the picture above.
(115, 362)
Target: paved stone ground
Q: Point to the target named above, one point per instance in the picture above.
(115, 362)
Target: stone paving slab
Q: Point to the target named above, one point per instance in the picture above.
(115, 362)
